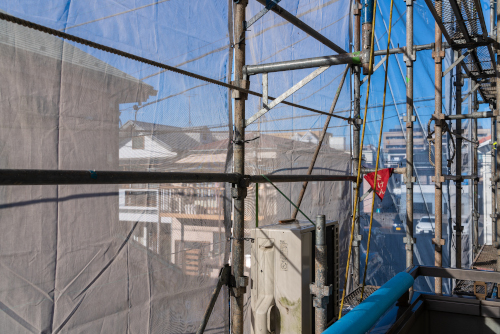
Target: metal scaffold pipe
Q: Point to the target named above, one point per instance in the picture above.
(497, 151)
(354, 58)
(346, 58)
(239, 191)
(24, 177)
(438, 241)
(356, 140)
(473, 115)
(19, 177)
(458, 170)
(475, 211)
(410, 58)
(320, 301)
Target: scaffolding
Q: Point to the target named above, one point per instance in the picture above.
(462, 23)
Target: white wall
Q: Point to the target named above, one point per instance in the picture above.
(152, 149)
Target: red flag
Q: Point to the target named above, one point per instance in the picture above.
(382, 180)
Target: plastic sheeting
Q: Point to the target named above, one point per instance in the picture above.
(144, 258)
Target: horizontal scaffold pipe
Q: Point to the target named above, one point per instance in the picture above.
(18, 177)
(346, 58)
(474, 115)
(398, 170)
(299, 178)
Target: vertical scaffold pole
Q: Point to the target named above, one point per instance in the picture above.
(495, 147)
(239, 191)
(320, 300)
(438, 55)
(493, 140)
(409, 179)
(458, 170)
(475, 211)
(355, 143)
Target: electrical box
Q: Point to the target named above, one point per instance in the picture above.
(282, 269)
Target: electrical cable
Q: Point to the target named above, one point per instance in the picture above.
(378, 153)
(358, 179)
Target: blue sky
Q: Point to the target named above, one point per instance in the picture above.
(194, 35)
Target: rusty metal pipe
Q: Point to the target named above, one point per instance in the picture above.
(319, 287)
(409, 57)
(438, 55)
(355, 143)
(458, 171)
(475, 211)
(239, 191)
(497, 169)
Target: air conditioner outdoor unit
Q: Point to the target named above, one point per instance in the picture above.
(282, 270)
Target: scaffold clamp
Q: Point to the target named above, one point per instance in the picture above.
(357, 240)
(321, 294)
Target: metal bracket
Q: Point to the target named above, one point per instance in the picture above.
(412, 57)
(357, 9)
(438, 55)
(321, 294)
(480, 295)
(355, 121)
(408, 184)
(238, 285)
(409, 242)
(441, 179)
(357, 240)
(439, 243)
(413, 118)
(236, 94)
(438, 117)
(238, 192)
(461, 228)
(225, 275)
(252, 240)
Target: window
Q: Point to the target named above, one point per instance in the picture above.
(138, 143)
(141, 198)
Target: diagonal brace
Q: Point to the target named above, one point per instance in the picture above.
(286, 94)
(456, 62)
(269, 5)
(472, 91)
(374, 69)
